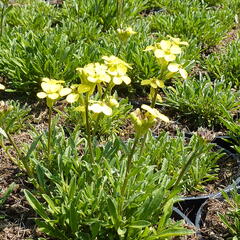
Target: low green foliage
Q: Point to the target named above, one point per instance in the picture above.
(231, 219)
(4, 195)
(27, 58)
(225, 64)
(203, 102)
(193, 20)
(233, 128)
(172, 153)
(90, 195)
(13, 115)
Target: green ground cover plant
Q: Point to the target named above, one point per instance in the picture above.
(231, 219)
(88, 183)
(203, 102)
(51, 43)
(172, 153)
(225, 64)
(86, 190)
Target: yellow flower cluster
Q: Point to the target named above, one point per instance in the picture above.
(112, 72)
(166, 52)
(125, 34)
(117, 69)
(52, 90)
(144, 120)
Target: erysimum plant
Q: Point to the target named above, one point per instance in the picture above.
(96, 191)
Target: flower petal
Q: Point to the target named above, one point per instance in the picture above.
(97, 108)
(175, 49)
(41, 95)
(165, 44)
(183, 73)
(159, 53)
(106, 110)
(65, 91)
(126, 79)
(173, 67)
(169, 57)
(53, 96)
(71, 98)
(117, 80)
(2, 87)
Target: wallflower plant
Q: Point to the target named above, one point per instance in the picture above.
(110, 191)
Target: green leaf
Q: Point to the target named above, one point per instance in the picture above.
(3, 132)
(51, 230)
(33, 146)
(36, 205)
(171, 233)
(139, 224)
(112, 207)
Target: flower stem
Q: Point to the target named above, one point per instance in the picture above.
(108, 89)
(154, 99)
(129, 162)
(20, 155)
(89, 137)
(142, 144)
(49, 131)
(118, 50)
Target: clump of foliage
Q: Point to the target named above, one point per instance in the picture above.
(174, 152)
(91, 190)
(225, 64)
(231, 219)
(203, 102)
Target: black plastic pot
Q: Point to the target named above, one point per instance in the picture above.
(199, 221)
(226, 143)
(179, 215)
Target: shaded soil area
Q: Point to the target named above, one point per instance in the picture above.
(213, 228)
(16, 221)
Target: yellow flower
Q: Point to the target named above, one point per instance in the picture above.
(174, 68)
(117, 69)
(166, 50)
(153, 82)
(154, 113)
(144, 120)
(94, 73)
(178, 41)
(100, 107)
(125, 34)
(77, 90)
(113, 102)
(52, 90)
(2, 87)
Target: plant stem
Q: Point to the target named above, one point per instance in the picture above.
(129, 162)
(89, 137)
(154, 99)
(119, 48)
(108, 89)
(184, 168)
(14, 145)
(142, 144)
(49, 131)
(20, 155)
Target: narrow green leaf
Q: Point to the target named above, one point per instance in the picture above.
(35, 204)
(139, 224)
